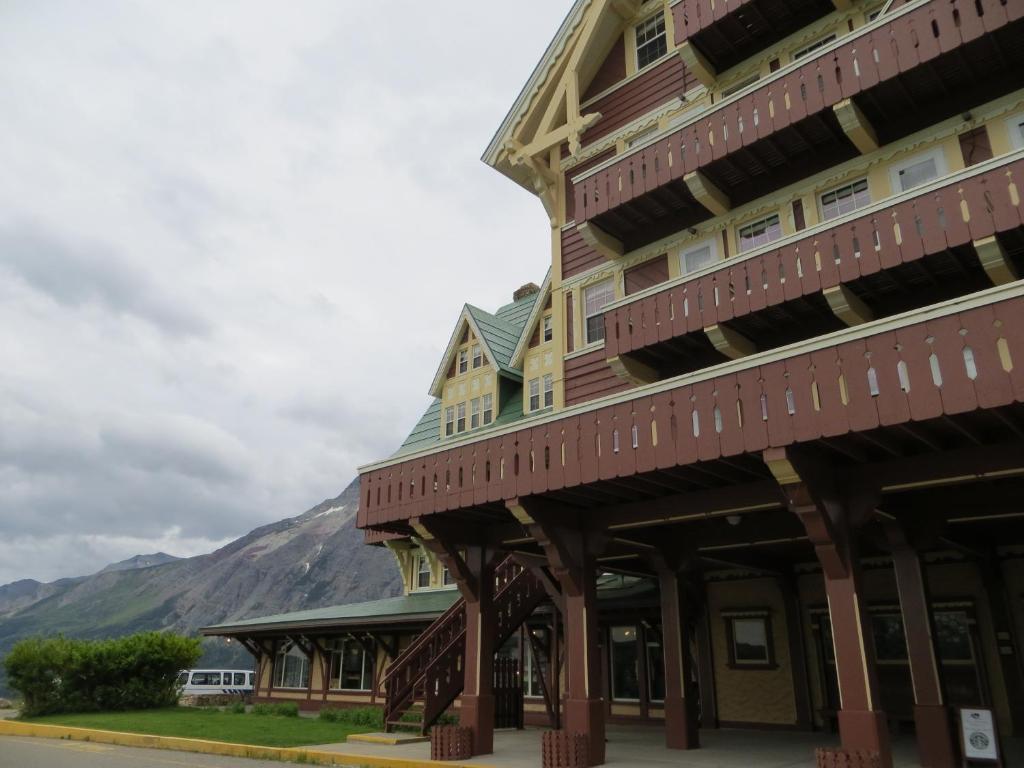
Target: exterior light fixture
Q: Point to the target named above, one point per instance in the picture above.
(733, 520)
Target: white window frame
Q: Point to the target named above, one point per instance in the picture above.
(478, 356)
(487, 409)
(447, 579)
(423, 569)
(463, 361)
(474, 413)
(753, 222)
(936, 154)
(1013, 127)
(637, 45)
(604, 285)
(449, 421)
(533, 404)
(547, 329)
(812, 47)
(692, 248)
(280, 664)
(338, 652)
(821, 198)
(548, 389)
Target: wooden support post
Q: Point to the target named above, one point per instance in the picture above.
(477, 710)
(830, 518)
(856, 126)
(707, 194)
(790, 590)
(706, 666)
(1009, 647)
(600, 241)
(847, 306)
(681, 726)
(730, 343)
(571, 550)
(932, 719)
(995, 261)
(699, 66)
(631, 370)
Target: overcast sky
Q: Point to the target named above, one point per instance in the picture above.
(234, 239)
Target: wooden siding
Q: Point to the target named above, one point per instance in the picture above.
(646, 275)
(964, 210)
(882, 54)
(570, 340)
(611, 71)
(658, 85)
(570, 195)
(577, 256)
(852, 385)
(588, 377)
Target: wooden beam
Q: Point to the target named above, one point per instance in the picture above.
(856, 126)
(846, 305)
(730, 343)
(995, 261)
(633, 371)
(707, 194)
(606, 245)
(699, 66)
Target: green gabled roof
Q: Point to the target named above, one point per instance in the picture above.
(500, 336)
(417, 605)
(426, 432)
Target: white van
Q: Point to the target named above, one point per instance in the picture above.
(210, 682)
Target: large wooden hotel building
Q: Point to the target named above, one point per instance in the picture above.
(752, 455)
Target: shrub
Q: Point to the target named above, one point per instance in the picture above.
(237, 708)
(284, 709)
(369, 717)
(135, 672)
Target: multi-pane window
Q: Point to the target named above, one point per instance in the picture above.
(446, 577)
(535, 664)
(917, 171)
(291, 667)
(449, 421)
(351, 666)
(595, 299)
(758, 233)
(547, 332)
(845, 199)
(460, 420)
(488, 409)
(651, 40)
(890, 642)
(625, 659)
(474, 413)
(478, 356)
(655, 664)
(697, 257)
(1017, 131)
(534, 394)
(422, 572)
(549, 390)
(463, 360)
(813, 47)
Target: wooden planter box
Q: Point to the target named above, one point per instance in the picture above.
(842, 758)
(451, 742)
(561, 749)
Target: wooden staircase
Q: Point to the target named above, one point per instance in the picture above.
(427, 677)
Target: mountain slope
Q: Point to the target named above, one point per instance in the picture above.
(309, 561)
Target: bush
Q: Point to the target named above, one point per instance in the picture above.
(237, 708)
(369, 717)
(284, 709)
(134, 672)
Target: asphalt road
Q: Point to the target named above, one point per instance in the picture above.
(16, 752)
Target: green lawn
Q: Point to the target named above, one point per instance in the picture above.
(213, 725)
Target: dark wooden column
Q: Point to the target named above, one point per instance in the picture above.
(477, 709)
(571, 549)
(681, 727)
(706, 665)
(1009, 650)
(932, 720)
(830, 517)
(790, 590)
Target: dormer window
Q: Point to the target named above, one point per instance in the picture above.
(423, 573)
(460, 422)
(463, 360)
(478, 356)
(651, 40)
(547, 332)
(449, 421)
(488, 406)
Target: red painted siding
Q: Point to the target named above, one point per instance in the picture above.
(645, 275)
(588, 377)
(570, 194)
(655, 87)
(577, 256)
(612, 70)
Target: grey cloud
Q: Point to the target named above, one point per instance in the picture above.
(87, 272)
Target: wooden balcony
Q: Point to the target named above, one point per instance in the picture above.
(908, 251)
(918, 64)
(727, 32)
(934, 379)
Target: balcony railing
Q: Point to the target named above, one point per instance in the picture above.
(936, 362)
(963, 207)
(783, 128)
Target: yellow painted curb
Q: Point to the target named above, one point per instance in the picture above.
(390, 739)
(224, 749)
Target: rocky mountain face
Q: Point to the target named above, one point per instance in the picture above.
(313, 560)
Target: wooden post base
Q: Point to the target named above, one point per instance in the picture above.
(681, 731)
(586, 716)
(477, 714)
(935, 736)
(865, 732)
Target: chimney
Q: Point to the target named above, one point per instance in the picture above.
(527, 290)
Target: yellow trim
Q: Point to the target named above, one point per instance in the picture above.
(390, 739)
(225, 749)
